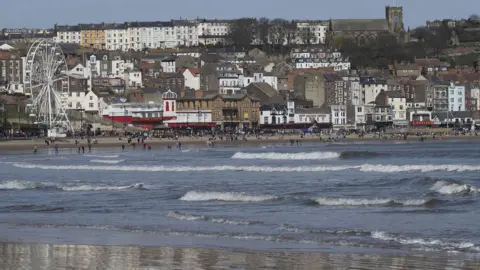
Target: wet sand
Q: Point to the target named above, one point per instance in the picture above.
(67, 256)
(154, 142)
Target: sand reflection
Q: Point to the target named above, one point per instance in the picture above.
(55, 256)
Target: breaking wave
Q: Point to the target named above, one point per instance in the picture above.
(381, 168)
(25, 185)
(184, 216)
(287, 156)
(429, 243)
(107, 161)
(103, 156)
(452, 188)
(225, 196)
(324, 201)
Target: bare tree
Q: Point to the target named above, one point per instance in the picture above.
(242, 31)
(305, 35)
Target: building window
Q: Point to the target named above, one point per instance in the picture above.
(91, 97)
(90, 105)
(359, 109)
(265, 119)
(78, 94)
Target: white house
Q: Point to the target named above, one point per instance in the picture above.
(80, 71)
(316, 30)
(475, 94)
(186, 33)
(192, 78)
(338, 115)
(168, 64)
(229, 84)
(360, 115)
(258, 78)
(133, 78)
(456, 97)
(210, 32)
(281, 114)
(116, 37)
(398, 103)
(67, 34)
(370, 90)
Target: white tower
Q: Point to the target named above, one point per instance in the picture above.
(169, 103)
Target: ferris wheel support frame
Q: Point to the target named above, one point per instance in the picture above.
(47, 83)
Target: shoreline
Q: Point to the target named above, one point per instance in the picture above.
(111, 142)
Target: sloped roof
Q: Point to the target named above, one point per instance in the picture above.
(360, 25)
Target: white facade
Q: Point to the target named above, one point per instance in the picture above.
(80, 71)
(338, 114)
(133, 78)
(475, 94)
(399, 108)
(186, 34)
(169, 66)
(259, 78)
(336, 65)
(68, 37)
(229, 85)
(86, 101)
(317, 31)
(306, 118)
(360, 115)
(192, 116)
(191, 80)
(371, 91)
(117, 39)
(456, 97)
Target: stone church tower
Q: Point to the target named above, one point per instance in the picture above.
(394, 16)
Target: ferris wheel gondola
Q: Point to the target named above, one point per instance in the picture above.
(47, 84)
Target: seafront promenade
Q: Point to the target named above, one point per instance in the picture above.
(203, 141)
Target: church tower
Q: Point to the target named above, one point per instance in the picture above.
(394, 16)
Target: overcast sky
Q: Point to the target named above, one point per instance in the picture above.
(45, 13)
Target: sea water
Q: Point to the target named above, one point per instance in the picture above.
(374, 198)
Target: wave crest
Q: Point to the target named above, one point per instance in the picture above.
(107, 161)
(452, 188)
(225, 196)
(432, 243)
(221, 220)
(287, 156)
(324, 201)
(25, 185)
(381, 168)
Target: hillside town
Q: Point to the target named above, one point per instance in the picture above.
(251, 74)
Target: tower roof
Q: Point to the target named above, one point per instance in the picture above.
(169, 95)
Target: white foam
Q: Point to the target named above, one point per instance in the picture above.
(451, 188)
(103, 156)
(107, 161)
(366, 202)
(22, 185)
(184, 216)
(364, 168)
(445, 245)
(99, 188)
(287, 156)
(224, 196)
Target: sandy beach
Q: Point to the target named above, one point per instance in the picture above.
(112, 142)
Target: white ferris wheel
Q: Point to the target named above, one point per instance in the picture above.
(47, 83)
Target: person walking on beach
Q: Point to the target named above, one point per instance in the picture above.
(56, 149)
(35, 149)
(123, 147)
(89, 147)
(83, 149)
